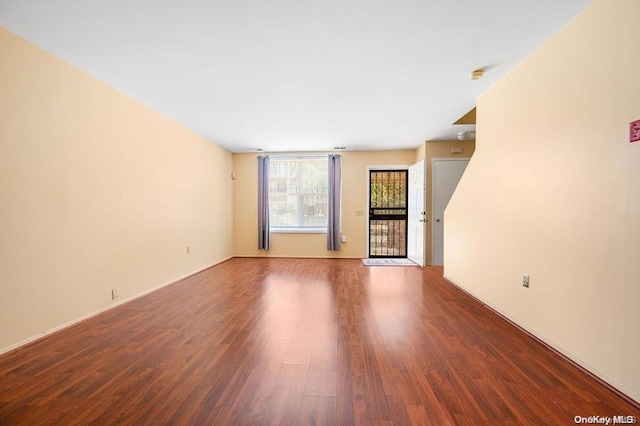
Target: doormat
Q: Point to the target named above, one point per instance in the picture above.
(388, 262)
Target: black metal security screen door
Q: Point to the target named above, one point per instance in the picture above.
(388, 213)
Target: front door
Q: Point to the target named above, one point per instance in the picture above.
(388, 193)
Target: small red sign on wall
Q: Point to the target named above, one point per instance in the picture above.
(634, 131)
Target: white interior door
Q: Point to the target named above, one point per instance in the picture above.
(446, 175)
(416, 216)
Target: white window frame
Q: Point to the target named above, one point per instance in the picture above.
(299, 230)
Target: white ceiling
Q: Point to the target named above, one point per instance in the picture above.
(297, 74)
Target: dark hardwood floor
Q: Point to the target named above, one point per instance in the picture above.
(298, 341)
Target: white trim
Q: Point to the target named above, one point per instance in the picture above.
(274, 229)
(106, 308)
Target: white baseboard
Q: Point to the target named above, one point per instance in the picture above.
(614, 385)
(106, 308)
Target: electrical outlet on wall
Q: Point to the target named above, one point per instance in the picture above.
(525, 280)
(115, 293)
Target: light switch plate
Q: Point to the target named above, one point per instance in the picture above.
(634, 131)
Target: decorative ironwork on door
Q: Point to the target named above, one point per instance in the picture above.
(388, 193)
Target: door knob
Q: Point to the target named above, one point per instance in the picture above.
(422, 220)
(437, 220)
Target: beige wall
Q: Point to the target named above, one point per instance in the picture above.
(433, 150)
(354, 198)
(420, 152)
(96, 191)
(553, 191)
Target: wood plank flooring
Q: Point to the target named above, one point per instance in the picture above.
(298, 341)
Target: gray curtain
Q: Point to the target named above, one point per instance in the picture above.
(263, 203)
(333, 224)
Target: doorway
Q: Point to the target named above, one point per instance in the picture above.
(388, 194)
(446, 175)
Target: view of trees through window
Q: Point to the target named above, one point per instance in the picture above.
(298, 192)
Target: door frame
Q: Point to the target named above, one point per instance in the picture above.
(423, 215)
(432, 213)
(368, 189)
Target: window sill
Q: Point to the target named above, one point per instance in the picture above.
(298, 230)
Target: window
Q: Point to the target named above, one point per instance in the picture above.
(298, 194)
